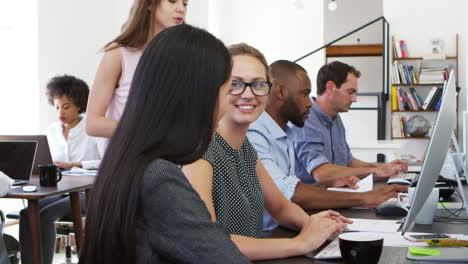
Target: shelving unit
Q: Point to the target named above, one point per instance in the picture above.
(420, 88)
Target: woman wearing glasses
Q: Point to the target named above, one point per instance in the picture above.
(235, 186)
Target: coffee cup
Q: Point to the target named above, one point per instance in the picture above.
(360, 247)
(49, 175)
(426, 213)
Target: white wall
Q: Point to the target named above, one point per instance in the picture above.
(350, 15)
(71, 34)
(18, 67)
(418, 21)
(284, 29)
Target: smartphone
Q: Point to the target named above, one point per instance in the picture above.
(420, 238)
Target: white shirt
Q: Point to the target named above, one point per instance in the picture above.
(78, 147)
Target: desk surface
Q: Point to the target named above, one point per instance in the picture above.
(389, 254)
(66, 185)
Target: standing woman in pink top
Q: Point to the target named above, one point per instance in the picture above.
(115, 73)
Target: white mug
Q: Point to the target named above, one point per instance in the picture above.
(426, 214)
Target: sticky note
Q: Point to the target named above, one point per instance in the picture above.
(423, 251)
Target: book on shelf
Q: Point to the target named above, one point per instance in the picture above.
(396, 48)
(409, 100)
(437, 105)
(432, 74)
(404, 74)
(428, 99)
(435, 98)
(416, 97)
(404, 49)
(394, 98)
(399, 126)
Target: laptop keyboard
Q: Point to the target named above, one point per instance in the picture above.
(331, 251)
(19, 182)
(411, 176)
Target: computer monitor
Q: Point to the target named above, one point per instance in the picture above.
(436, 151)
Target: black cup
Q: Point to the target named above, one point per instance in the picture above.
(49, 175)
(360, 247)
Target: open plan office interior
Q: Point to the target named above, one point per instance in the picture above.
(409, 53)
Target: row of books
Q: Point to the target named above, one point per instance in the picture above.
(400, 50)
(409, 99)
(434, 74)
(398, 126)
(405, 74)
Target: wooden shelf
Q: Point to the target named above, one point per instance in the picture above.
(421, 58)
(354, 50)
(418, 84)
(415, 111)
(411, 138)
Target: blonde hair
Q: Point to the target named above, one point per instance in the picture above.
(136, 29)
(245, 49)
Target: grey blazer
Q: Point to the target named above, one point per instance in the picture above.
(174, 225)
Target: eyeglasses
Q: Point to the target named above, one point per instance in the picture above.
(259, 88)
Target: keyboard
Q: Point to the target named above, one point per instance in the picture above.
(331, 251)
(411, 176)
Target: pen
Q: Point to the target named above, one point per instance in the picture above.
(447, 242)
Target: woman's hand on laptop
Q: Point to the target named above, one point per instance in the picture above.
(67, 165)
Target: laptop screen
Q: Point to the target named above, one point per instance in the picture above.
(16, 158)
(42, 154)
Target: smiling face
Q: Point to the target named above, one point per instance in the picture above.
(170, 13)
(245, 108)
(342, 98)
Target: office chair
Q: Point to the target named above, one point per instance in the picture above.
(9, 246)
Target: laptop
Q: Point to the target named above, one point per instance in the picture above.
(17, 159)
(43, 155)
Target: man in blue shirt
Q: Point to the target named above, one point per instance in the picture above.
(289, 101)
(321, 144)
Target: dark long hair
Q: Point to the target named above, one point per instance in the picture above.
(169, 115)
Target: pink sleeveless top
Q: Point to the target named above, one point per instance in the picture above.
(129, 58)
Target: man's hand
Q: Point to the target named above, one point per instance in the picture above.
(402, 163)
(377, 196)
(390, 169)
(347, 181)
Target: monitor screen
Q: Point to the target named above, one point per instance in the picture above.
(43, 155)
(16, 158)
(436, 151)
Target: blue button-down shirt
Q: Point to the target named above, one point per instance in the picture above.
(276, 151)
(321, 140)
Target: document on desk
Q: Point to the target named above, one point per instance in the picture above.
(79, 172)
(374, 225)
(364, 185)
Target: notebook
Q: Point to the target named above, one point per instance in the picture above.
(17, 159)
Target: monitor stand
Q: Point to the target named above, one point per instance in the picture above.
(462, 164)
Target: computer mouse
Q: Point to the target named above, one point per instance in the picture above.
(390, 208)
(29, 188)
(400, 182)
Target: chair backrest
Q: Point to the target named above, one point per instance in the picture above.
(4, 258)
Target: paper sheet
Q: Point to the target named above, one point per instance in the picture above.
(364, 185)
(75, 171)
(373, 225)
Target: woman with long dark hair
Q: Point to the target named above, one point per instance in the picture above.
(142, 208)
